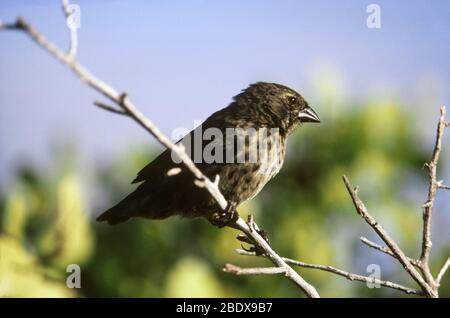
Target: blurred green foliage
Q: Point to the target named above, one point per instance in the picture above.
(46, 222)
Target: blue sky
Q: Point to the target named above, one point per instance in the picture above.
(182, 60)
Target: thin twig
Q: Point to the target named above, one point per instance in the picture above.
(109, 108)
(339, 272)
(443, 187)
(249, 228)
(73, 47)
(428, 206)
(230, 268)
(399, 255)
(442, 272)
(385, 250)
(7, 26)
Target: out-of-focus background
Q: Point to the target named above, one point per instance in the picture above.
(62, 161)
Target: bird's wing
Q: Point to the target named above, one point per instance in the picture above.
(156, 168)
(164, 162)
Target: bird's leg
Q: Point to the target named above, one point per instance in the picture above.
(249, 240)
(264, 235)
(227, 217)
(254, 248)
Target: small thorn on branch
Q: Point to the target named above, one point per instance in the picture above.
(109, 108)
(123, 98)
(216, 180)
(21, 24)
(426, 205)
(384, 249)
(73, 48)
(442, 271)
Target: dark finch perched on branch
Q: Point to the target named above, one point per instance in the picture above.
(247, 150)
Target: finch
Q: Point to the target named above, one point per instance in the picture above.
(244, 144)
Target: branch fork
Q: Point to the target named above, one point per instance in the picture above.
(428, 284)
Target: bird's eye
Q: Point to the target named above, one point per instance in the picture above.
(292, 100)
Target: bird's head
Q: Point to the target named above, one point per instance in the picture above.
(282, 106)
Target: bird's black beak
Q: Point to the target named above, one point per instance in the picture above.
(307, 115)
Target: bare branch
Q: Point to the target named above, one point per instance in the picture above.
(428, 206)
(385, 250)
(72, 28)
(7, 26)
(339, 272)
(250, 229)
(444, 187)
(426, 281)
(109, 108)
(399, 255)
(129, 109)
(230, 268)
(443, 271)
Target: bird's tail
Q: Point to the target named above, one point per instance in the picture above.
(115, 215)
(122, 211)
(140, 203)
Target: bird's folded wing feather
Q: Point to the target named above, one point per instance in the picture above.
(164, 162)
